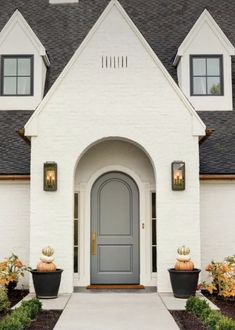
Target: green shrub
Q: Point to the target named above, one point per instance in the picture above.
(197, 306)
(17, 320)
(205, 314)
(33, 307)
(213, 320)
(9, 323)
(22, 316)
(225, 323)
(4, 301)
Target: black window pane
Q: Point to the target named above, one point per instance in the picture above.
(23, 87)
(10, 66)
(75, 260)
(199, 85)
(213, 84)
(75, 232)
(206, 75)
(199, 66)
(75, 206)
(17, 75)
(153, 205)
(9, 85)
(154, 238)
(213, 66)
(24, 67)
(154, 259)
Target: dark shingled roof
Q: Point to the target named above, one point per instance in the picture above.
(217, 153)
(164, 23)
(14, 152)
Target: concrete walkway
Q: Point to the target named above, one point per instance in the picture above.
(123, 311)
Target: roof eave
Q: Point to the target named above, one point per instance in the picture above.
(176, 59)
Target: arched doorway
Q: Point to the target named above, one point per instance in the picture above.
(113, 156)
(115, 230)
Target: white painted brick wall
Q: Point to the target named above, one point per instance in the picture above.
(217, 221)
(136, 103)
(14, 221)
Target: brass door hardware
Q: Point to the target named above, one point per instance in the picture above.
(93, 243)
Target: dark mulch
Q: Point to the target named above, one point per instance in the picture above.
(186, 320)
(46, 320)
(16, 295)
(227, 307)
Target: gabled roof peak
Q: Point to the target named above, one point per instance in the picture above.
(18, 18)
(198, 127)
(205, 17)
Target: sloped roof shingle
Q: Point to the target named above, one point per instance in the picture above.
(217, 153)
(164, 23)
(14, 152)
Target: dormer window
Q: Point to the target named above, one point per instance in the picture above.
(206, 75)
(17, 75)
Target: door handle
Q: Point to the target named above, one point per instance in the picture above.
(93, 243)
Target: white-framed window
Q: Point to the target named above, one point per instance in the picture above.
(206, 75)
(17, 75)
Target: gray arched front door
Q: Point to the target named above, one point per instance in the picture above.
(114, 230)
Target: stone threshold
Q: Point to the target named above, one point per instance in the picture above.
(115, 287)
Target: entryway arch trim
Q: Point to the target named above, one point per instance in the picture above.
(85, 225)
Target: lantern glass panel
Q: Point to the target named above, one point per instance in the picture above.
(50, 176)
(178, 176)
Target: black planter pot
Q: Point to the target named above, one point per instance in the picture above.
(46, 284)
(184, 283)
(11, 286)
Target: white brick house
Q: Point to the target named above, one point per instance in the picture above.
(99, 103)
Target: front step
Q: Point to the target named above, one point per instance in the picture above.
(115, 287)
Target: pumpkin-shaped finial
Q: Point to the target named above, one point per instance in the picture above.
(48, 251)
(183, 250)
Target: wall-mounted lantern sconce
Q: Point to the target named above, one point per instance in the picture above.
(50, 176)
(178, 175)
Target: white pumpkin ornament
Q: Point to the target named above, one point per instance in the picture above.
(48, 251)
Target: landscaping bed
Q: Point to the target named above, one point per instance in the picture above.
(187, 320)
(45, 320)
(227, 306)
(16, 295)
